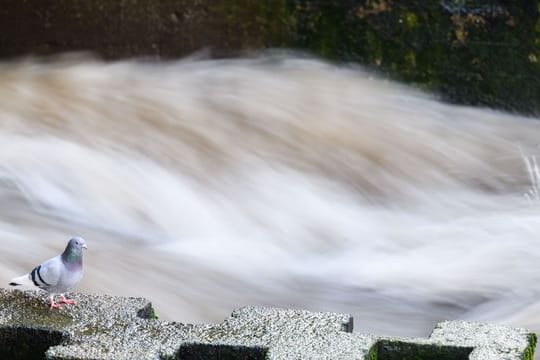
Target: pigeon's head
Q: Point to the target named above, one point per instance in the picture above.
(77, 243)
(74, 251)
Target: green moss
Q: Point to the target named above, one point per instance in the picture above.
(147, 312)
(372, 353)
(411, 20)
(33, 310)
(153, 315)
(472, 56)
(529, 351)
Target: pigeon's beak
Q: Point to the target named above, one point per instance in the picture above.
(84, 246)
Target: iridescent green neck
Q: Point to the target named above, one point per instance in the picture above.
(72, 256)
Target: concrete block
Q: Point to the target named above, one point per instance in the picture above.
(106, 327)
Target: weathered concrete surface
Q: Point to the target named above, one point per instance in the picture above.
(124, 28)
(105, 327)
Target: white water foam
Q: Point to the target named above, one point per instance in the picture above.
(209, 185)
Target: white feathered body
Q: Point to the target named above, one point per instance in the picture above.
(54, 276)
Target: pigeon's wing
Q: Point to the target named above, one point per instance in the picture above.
(47, 274)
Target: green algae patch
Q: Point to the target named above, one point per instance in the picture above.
(529, 351)
(147, 312)
(31, 308)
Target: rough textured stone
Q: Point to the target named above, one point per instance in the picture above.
(105, 327)
(126, 28)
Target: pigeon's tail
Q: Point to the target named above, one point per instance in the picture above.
(21, 280)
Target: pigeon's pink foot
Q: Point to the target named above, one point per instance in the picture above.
(53, 304)
(64, 300)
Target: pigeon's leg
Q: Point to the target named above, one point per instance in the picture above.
(64, 300)
(52, 303)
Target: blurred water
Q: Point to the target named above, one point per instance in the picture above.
(208, 185)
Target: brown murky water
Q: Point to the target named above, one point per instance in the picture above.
(209, 185)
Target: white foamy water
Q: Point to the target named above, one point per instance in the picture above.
(210, 185)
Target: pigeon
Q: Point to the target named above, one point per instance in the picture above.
(59, 274)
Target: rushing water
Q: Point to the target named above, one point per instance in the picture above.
(208, 185)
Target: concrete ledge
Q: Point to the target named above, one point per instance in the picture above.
(105, 327)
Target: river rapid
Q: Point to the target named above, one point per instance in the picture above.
(207, 185)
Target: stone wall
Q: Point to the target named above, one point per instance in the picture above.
(105, 327)
(470, 52)
(124, 28)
